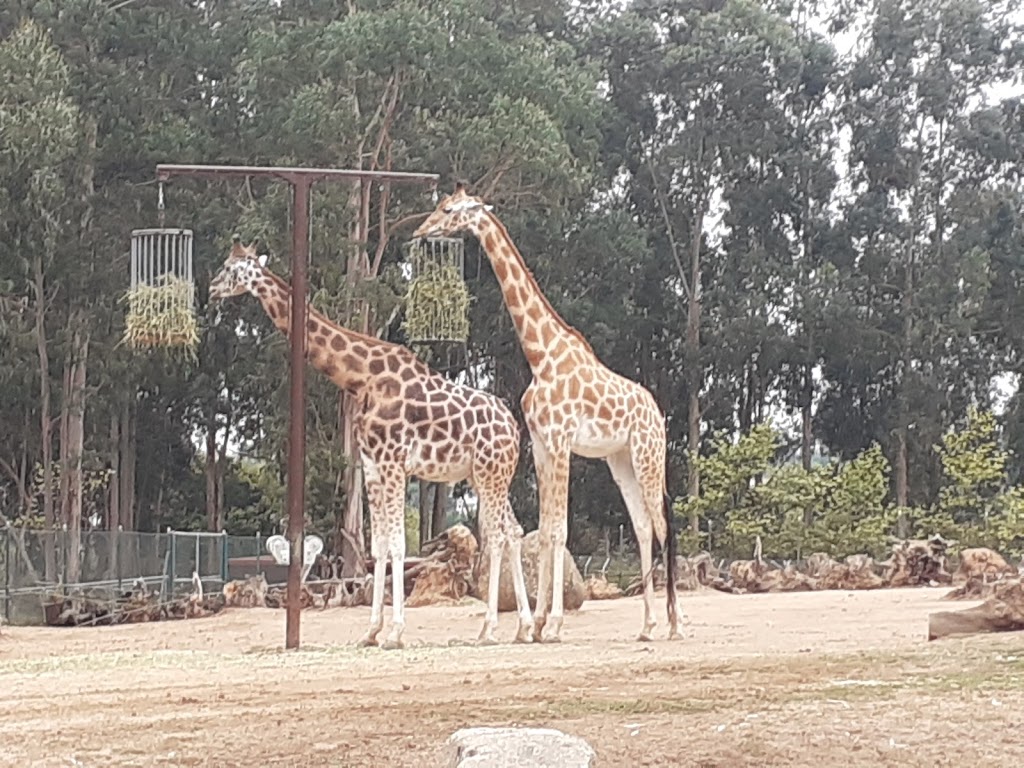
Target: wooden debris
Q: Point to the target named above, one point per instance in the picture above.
(446, 573)
(277, 597)
(598, 588)
(250, 592)
(818, 564)
(918, 562)
(857, 572)
(345, 593)
(1003, 611)
(975, 588)
(139, 605)
(982, 562)
(695, 572)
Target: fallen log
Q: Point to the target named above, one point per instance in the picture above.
(1002, 612)
(62, 609)
(250, 592)
(982, 562)
(598, 588)
(918, 562)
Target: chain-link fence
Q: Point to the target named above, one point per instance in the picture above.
(34, 563)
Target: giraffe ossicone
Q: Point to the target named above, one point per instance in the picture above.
(411, 422)
(574, 405)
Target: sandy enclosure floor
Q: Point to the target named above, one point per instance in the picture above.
(810, 679)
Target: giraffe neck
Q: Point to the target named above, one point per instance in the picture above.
(338, 353)
(540, 328)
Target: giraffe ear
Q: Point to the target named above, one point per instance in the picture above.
(262, 259)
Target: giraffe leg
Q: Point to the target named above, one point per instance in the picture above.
(515, 554)
(378, 549)
(495, 548)
(621, 466)
(395, 508)
(648, 462)
(380, 563)
(553, 481)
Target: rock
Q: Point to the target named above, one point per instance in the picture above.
(517, 748)
(575, 588)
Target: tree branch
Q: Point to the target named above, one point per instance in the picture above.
(668, 227)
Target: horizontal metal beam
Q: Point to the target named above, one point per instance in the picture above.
(164, 171)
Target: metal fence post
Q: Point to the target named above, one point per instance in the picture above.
(117, 555)
(173, 570)
(223, 556)
(199, 568)
(63, 579)
(7, 574)
(259, 552)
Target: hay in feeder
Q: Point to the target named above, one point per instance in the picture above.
(437, 306)
(161, 314)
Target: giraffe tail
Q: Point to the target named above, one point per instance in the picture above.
(671, 566)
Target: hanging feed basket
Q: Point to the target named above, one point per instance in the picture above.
(437, 302)
(161, 300)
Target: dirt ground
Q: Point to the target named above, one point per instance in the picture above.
(806, 679)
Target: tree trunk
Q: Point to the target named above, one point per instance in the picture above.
(440, 508)
(213, 521)
(113, 481)
(63, 441)
(426, 515)
(114, 496)
(807, 430)
(693, 373)
(902, 469)
(126, 467)
(76, 399)
(352, 521)
(45, 417)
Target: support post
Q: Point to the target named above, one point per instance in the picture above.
(7, 574)
(297, 426)
(173, 572)
(223, 557)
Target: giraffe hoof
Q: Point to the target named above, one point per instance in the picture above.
(551, 640)
(675, 635)
(487, 640)
(392, 645)
(367, 642)
(524, 635)
(645, 637)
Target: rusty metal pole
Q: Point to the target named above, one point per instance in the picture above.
(301, 186)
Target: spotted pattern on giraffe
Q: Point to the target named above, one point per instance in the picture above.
(411, 422)
(573, 405)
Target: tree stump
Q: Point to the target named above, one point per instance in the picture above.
(1003, 612)
(573, 596)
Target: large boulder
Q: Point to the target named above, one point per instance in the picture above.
(575, 588)
(517, 748)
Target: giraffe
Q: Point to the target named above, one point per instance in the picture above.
(411, 421)
(573, 405)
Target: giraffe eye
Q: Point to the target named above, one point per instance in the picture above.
(447, 209)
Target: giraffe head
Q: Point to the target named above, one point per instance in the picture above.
(457, 212)
(240, 270)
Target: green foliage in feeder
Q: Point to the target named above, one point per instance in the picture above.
(161, 314)
(437, 306)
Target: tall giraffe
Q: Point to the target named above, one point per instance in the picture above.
(411, 421)
(575, 404)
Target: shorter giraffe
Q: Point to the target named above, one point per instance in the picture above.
(411, 422)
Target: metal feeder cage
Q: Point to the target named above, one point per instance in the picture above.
(161, 300)
(437, 302)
